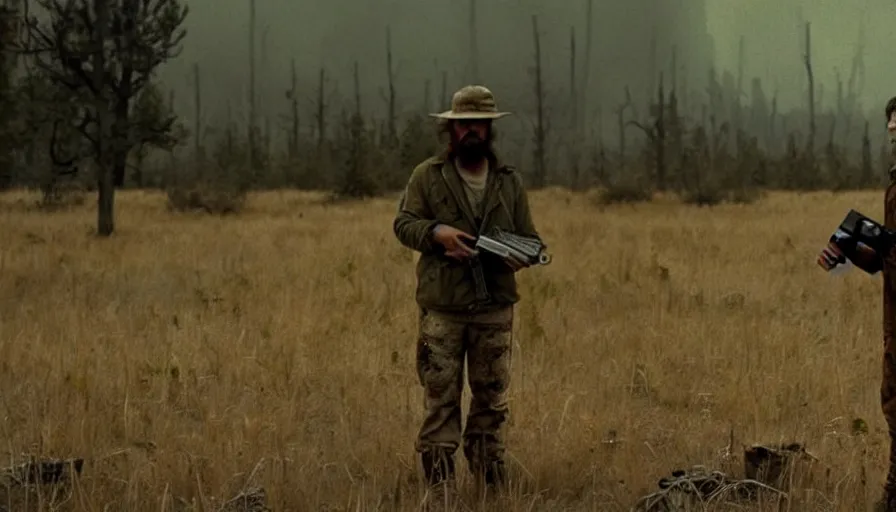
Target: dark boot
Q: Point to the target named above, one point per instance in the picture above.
(438, 467)
(487, 469)
(438, 470)
(495, 475)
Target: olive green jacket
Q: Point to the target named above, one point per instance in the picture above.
(434, 195)
(889, 264)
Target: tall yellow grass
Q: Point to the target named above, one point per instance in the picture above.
(190, 356)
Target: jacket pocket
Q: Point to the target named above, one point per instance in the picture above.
(443, 283)
(445, 208)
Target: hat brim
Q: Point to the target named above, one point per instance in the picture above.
(469, 115)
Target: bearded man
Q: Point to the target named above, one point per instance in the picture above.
(466, 299)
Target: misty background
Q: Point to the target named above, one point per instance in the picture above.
(430, 37)
(714, 100)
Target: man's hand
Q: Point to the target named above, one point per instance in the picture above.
(452, 239)
(830, 257)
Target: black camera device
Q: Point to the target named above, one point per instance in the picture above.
(864, 242)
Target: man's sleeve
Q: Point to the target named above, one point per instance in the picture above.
(889, 268)
(414, 221)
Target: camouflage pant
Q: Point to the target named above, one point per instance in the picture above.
(443, 343)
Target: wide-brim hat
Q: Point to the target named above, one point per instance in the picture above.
(472, 102)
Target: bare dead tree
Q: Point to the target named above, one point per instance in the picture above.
(197, 108)
(106, 52)
(598, 151)
(265, 110)
(856, 71)
(320, 117)
(293, 96)
(357, 81)
(474, 45)
(714, 91)
(172, 156)
(621, 123)
(444, 100)
(574, 129)
(673, 67)
(656, 134)
(807, 61)
(584, 87)
(866, 157)
(660, 133)
(654, 63)
(832, 131)
(772, 122)
(739, 85)
(540, 132)
(392, 128)
(252, 153)
(840, 101)
(356, 182)
(573, 96)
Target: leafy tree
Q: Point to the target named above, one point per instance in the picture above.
(106, 52)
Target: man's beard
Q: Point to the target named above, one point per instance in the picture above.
(471, 148)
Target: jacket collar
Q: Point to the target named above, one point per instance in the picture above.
(492, 188)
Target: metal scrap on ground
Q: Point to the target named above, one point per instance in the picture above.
(693, 489)
(766, 468)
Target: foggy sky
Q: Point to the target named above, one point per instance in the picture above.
(431, 36)
(773, 32)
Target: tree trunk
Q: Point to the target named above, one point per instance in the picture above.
(105, 220)
(104, 147)
(119, 167)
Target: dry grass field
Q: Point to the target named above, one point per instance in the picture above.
(189, 356)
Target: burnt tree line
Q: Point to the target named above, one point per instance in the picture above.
(116, 128)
